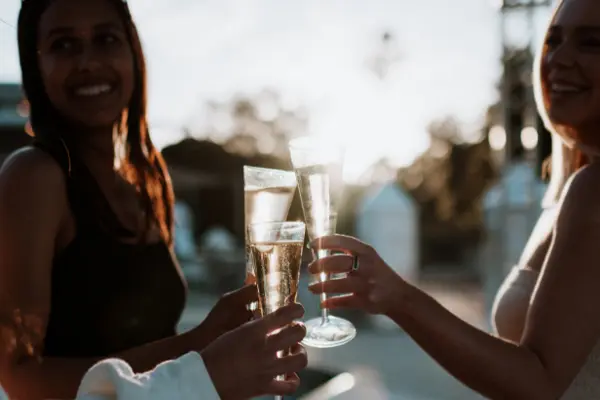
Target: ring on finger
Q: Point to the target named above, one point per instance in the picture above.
(355, 264)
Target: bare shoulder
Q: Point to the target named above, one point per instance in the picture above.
(31, 172)
(580, 202)
(32, 192)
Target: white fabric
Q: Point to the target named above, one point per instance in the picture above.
(183, 378)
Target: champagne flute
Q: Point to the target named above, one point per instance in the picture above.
(268, 195)
(276, 250)
(318, 167)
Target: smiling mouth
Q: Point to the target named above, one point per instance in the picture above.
(93, 90)
(565, 88)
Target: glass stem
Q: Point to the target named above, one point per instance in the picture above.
(324, 277)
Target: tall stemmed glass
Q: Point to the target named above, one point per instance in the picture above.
(276, 251)
(318, 166)
(268, 195)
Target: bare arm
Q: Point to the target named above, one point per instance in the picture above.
(33, 207)
(562, 327)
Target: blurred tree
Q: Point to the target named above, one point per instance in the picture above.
(246, 130)
(448, 182)
(253, 125)
(517, 86)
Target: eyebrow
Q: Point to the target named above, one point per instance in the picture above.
(63, 30)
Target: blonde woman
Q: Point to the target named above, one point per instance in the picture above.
(557, 355)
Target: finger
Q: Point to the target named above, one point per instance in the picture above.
(236, 319)
(343, 243)
(241, 316)
(242, 296)
(350, 284)
(286, 337)
(297, 348)
(335, 264)
(283, 388)
(346, 301)
(256, 314)
(280, 318)
(289, 364)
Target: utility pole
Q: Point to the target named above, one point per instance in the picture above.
(518, 106)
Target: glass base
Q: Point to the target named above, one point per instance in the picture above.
(335, 332)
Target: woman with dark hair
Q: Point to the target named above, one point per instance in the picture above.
(547, 314)
(87, 270)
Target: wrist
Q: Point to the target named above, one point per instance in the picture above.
(215, 372)
(401, 304)
(199, 338)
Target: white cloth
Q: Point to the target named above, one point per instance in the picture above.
(113, 379)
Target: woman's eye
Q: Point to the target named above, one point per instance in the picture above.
(63, 44)
(552, 41)
(108, 39)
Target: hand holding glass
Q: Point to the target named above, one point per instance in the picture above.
(318, 167)
(276, 251)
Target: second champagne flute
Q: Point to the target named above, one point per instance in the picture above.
(318, 166)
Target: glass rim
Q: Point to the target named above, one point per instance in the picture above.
(281, 224)
(268, 170)
(264, 178)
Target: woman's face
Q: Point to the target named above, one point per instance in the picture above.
(86, 61)
(571, 66)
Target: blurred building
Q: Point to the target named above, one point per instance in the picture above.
(13, 118)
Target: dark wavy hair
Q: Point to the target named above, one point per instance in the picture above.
(140, 161)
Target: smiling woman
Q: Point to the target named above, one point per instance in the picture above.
(546, 317)
(86, 232)
(569, 72)
(99, 92)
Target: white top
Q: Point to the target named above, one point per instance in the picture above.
(113, 379)
(510, 314)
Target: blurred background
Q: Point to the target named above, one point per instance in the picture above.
(433, 99)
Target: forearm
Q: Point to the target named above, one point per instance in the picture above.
(491, 366)
(59, 378)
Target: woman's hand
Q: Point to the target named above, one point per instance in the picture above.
(230, 312)
(244, 364)
(370, 284)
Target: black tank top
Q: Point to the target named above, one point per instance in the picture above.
(106, 295)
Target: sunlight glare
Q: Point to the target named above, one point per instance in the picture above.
(497, 138)
(529, 138)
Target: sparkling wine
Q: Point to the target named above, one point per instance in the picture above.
(318, 166)
(278, 272)
(264, 205)
(319, 187)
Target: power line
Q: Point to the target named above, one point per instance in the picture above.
(6, 23)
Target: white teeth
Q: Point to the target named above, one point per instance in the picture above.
(565, 88)
(94, 90)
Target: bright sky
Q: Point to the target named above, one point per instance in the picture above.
(314, 52)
